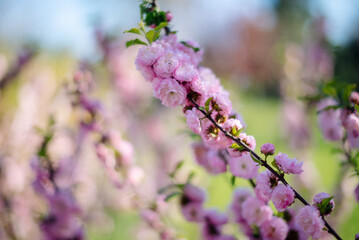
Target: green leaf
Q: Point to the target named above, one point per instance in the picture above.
(202, 108)
(161, 25)
(134, 30)
(256, 160)
(206, 104)
(330, 91)
(325, 207)
(233, 180)
(150, 36)
(236, 146)
(135, 42)
(178, 166)
(172, 195)
(190, 177)
(141, 26)
(328, 108)
(195, 49)
(274, 164)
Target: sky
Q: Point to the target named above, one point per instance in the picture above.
(68, 24)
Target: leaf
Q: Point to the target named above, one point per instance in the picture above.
(328, 108)
(178, 166)
(202, 108)
(330, 91)
(190, 177)
(195, 49)
(236, 146)
(172, 195)
(135, 42)
(233, 180)
(256, 160)
(150, 35)
(134, 30)
(325, 207)
(161, 25)
(206, 104)
(274, 164)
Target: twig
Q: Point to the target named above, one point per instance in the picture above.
(263, 163)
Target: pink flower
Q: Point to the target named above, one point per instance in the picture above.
(329, 120)
(193, 212)
(288, 165)
(170, 92)
(282, 197)
(240, 195)
(308, 220)
(354, 97)
(211, 135)
(212, 226)
(166, 64)
(248, 140)
(318, 199)
(221, 105)
(351, 123)
(208, 158)
(233, 124)
(193, 121)
(148, 55)
(169, 16)
(274, 229)
(267, 149)
(243, 166)
(193, 57)
(192, 203)
(147, 72)
(254, 211)
(356, 193)
(192, 194)
(186, 72)
(266, 182)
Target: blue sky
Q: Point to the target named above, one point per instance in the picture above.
(68, 24)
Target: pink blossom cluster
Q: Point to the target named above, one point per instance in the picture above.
(112, 150)
(172, 69)
(63, 219)
(249, 211)
(333, 122)
(211, 221)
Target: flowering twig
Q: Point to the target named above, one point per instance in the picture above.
(22, 60)
(262, 162)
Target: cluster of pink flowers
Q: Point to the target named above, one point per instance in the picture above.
(172, 69)
(333, 122)
(249, 210)
(192, 201)
(113, 151)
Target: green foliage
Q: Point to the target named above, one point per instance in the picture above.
(195, 49)
(325, 207)
(135, 42)
(178, 167)
(236, 146)
(274, 164)
(233, 180)
(172, 195)
(150, 16)
(256, 160)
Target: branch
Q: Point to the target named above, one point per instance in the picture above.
(263, 163)
(22, 60)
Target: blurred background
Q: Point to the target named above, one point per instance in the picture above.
(267, 53)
